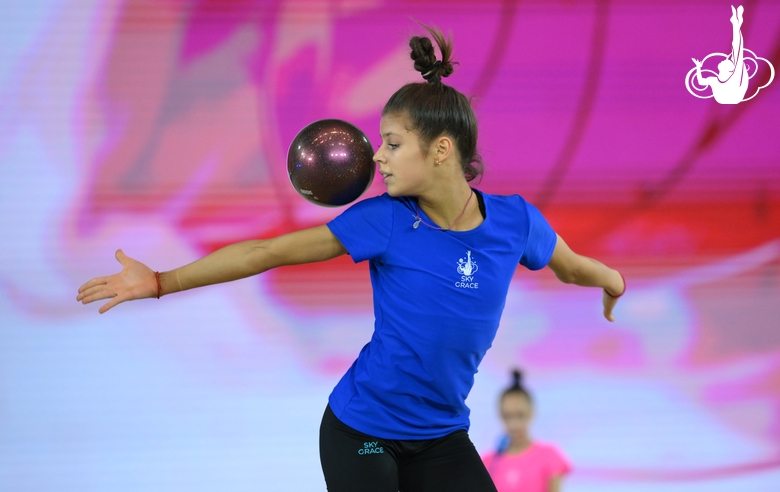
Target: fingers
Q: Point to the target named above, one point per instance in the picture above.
(609, 304)
(117, 287)
(90, 288)
(120, 256)
(90, 284)
(96, 294)
(97, 281)
(113, 302)
(89, 291)
(608, 314)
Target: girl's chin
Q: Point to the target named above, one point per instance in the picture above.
(519, 437)
(394, 191)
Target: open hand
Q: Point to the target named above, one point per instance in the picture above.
(135, 281)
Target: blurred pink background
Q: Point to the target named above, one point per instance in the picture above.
(161, 127)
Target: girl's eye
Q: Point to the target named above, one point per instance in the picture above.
(392, 146)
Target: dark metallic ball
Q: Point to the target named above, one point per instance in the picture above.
(330, 163)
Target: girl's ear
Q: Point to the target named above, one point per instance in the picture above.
(442, 148)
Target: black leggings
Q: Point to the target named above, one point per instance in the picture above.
(356, 462)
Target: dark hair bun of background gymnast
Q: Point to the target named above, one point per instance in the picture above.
(517, 378)
(517, 387)
(424, 56)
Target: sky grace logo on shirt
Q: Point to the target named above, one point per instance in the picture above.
(467, 267)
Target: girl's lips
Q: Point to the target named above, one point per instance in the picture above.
(386, 177)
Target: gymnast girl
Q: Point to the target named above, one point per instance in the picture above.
(521, 464)
(441, 257)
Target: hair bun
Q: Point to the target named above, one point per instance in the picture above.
(517, 378)
(424, 56)
(422, 53)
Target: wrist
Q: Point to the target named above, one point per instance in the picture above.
(622, 291)
(168, 283)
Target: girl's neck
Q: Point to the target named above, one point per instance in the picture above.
(518, 446)
(446, 204)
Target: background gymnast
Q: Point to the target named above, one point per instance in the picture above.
(521, 464)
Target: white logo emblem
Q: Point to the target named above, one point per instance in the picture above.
(730, 84)
(467, 267)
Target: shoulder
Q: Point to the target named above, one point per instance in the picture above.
(374, 208)
(547, 448)
(510, 210)
(552, 456)
(364, 229)
(513, 202)
(383, 201)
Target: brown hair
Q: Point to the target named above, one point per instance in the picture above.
(435, 109)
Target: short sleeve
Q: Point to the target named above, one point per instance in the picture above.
(541, 240)
(557, 463)
(364, 228)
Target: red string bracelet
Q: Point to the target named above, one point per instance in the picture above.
(625, 286)
(159, 286)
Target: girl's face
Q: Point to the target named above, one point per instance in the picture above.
(405, 170)
(516, 412)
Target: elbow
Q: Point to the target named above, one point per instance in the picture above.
(259, 258)
(567, 276)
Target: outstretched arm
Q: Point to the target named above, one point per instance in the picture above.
(572, 268)
(239, 260)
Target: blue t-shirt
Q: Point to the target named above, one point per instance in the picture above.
(438, 298)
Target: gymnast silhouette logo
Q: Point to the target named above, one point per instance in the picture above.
(467, 267)
(730, 84)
